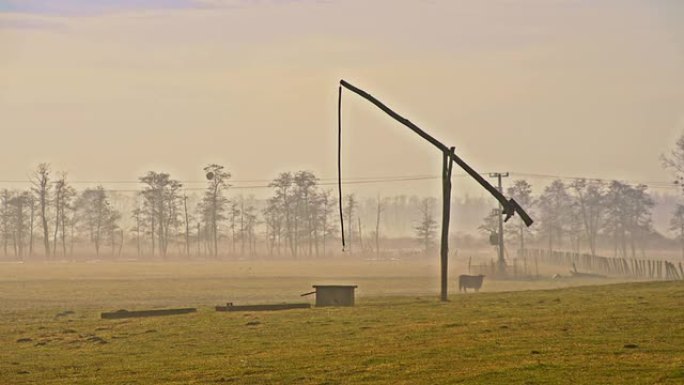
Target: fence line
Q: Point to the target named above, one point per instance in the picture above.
(629, 267)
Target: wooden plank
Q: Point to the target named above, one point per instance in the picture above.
(145, 313)
(267, 307)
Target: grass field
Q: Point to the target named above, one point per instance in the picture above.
(541, 332)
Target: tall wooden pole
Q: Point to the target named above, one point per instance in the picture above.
(446, 211)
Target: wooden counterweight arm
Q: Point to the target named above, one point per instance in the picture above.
(513, 207)
(396, 116)
(510, 206)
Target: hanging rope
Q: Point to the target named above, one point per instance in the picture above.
(339, 159)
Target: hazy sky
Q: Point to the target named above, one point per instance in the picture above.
(109, 89)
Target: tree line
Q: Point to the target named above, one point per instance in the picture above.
(583, 214)
(300, 218)
(296, 220)
(54, 213)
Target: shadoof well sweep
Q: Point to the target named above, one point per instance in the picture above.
(509, 206)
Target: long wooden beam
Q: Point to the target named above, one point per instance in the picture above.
(510, 206)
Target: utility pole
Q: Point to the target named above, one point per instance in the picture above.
(501, 262)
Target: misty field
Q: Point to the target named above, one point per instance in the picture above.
(536, 332)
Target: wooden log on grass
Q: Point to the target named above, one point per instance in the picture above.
(146, 313)
(268, 307)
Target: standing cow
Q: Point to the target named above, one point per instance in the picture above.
(466, 282)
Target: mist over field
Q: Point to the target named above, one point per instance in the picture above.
(341, 192)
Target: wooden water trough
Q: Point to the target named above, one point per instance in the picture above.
(267, 307)
(146, 313)
(333, 295)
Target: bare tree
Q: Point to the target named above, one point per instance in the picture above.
(242, 231)
(591, 199)
(16, 221)
(248, 223)
(273, 220)
(350, 208)
(214, 203)
(574, 225)
(427, 225)
(328, 204)
(305, 198)
(111, 228)
(677, 224)
(553, 207)
(295, 212)
(234, 212)
(521, 191)
(41, 188)
(674, 161)
(628, 216)
(6, 218)
(59, 186)
(19, 206)
(378, 212)
(490, 226)
(137, 215)
(641, 225)
(161, 200)
(96, 215)
(32, 217)
(617, 217)
(283, 204)
(63, 205)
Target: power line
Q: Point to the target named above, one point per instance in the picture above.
(602, 181)
(350, 180)
(360, 179)
(264, 186)
(246, 184)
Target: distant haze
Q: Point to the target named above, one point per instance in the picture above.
(107, 91)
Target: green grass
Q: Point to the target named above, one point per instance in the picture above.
(625, 333)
